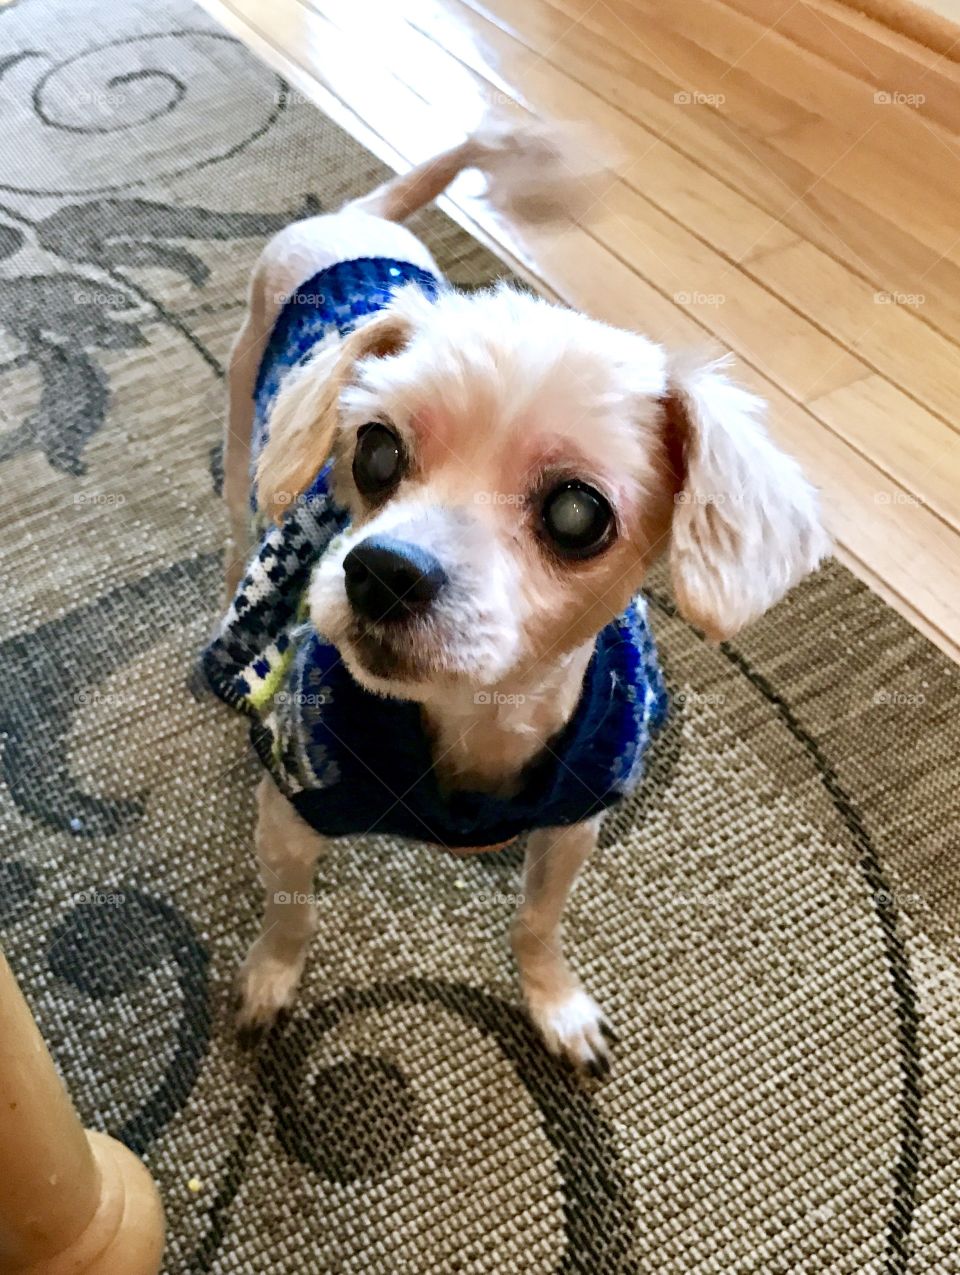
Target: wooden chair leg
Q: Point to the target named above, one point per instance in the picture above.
(70, 1200)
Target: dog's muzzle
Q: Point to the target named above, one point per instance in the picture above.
(389, 580)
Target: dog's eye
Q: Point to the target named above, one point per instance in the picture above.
(378, 459)
(576, 519)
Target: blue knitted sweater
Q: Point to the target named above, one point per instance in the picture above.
(353, 762)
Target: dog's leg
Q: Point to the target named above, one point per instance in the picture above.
(571, 1024)
(287, 850)
(245, 356)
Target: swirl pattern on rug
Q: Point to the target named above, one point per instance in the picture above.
(771, 922)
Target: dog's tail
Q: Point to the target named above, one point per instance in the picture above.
(535, 172)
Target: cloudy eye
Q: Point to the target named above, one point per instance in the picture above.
(377, 460)
(576, 519)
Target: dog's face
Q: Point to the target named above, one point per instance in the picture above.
(512, 470)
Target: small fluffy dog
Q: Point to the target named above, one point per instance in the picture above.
(460, 497)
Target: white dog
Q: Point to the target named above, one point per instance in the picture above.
(496, 476)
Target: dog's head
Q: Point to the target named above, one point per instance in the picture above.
(512, 469)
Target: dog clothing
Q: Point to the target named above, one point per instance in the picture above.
(351, 761)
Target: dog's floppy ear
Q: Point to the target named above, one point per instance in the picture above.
(746, 523)
(303, 420)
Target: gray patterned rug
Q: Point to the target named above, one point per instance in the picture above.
(772, 924)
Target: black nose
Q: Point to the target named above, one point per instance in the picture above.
(390, 579)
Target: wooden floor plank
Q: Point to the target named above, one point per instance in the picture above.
(838, 132)
(881, 327)
(802, 360)
(884, 532)
(859, 236)
(643, 57)
(882, 57)
(773, 63)
(901, 438)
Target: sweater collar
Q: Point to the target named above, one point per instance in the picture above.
(357, 762)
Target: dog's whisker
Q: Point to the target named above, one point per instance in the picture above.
(440, 636)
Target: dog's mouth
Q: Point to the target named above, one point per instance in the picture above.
(381, 655)
(405, 655)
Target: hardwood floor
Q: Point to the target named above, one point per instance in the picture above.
(786, 187)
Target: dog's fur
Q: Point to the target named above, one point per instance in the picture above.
(493, 394)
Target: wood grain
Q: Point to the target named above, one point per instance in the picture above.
(756, 224)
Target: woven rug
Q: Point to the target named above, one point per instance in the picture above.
(771, 924)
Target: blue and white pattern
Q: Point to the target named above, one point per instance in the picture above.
(353, 762)
(326, 308)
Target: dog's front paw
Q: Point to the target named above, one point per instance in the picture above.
(573, 1027)
(266, 985)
